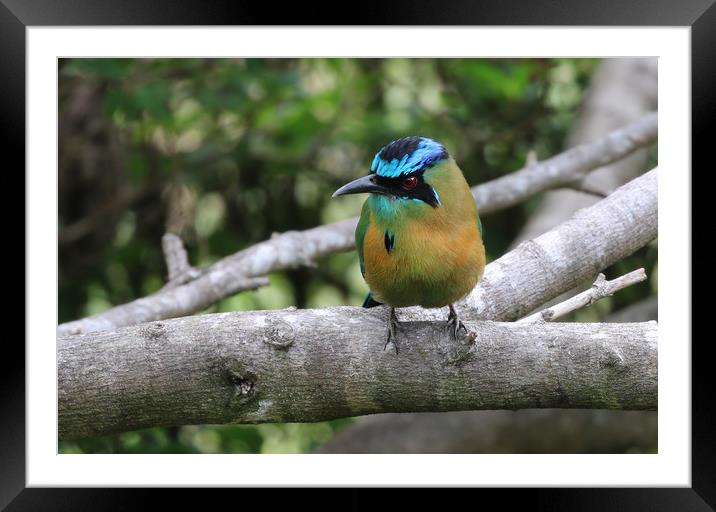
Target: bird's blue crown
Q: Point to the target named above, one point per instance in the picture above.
(407, 155)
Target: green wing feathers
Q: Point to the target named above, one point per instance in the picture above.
(361, 230)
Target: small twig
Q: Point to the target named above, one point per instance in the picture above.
(177, 260)
(180, 272)
(600, 289)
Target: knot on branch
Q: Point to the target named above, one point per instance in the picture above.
(602, 288)
(460, 354)
(153, 331)
(547, 315)
(244, 384)
(75, 330)
(279, 334)
(244, 387)
(532, 248)
(460, 350)
(613, 360)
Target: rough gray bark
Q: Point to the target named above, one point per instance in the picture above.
(314, 365)
(244, 269)
(526, 431)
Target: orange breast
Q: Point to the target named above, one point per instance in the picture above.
(433, 263)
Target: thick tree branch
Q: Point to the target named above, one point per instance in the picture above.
(289, 250)
(314, 365)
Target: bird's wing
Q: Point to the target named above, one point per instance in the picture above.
(361, 230)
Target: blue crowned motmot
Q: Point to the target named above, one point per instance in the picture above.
(419, 237)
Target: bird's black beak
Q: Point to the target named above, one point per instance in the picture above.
(364, 184)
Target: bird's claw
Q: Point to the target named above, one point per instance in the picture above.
(392, 328)
(454, 324)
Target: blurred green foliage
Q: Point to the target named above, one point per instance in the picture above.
(226, 152)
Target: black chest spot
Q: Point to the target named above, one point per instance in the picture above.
(389, 241)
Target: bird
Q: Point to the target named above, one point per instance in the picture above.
(419, 237)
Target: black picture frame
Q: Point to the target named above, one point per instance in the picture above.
(17, 15)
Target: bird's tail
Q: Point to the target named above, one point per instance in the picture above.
(370, 302)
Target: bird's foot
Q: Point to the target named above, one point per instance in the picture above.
(454, 324)
(392, 329)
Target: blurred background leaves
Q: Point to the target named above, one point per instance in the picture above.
(225, 152)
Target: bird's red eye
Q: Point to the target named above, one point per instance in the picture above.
(410, 182)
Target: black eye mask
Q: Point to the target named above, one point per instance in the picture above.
(420, 191)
